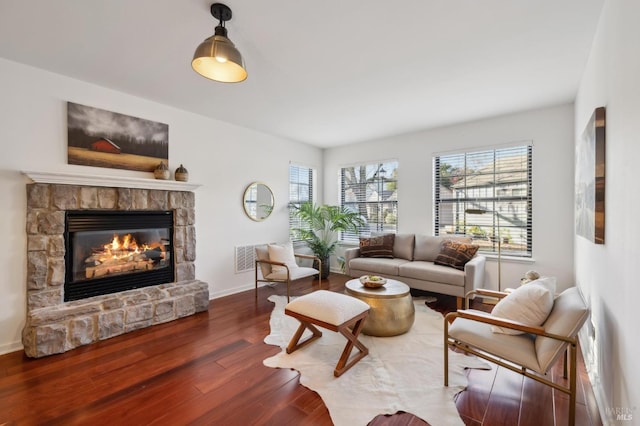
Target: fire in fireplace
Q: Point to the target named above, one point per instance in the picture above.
(113, 251)
(123, 254)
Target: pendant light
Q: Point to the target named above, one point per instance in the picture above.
(217, 58)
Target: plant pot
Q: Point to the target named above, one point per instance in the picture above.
(326, 267)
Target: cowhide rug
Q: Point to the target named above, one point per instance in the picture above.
(401, 373)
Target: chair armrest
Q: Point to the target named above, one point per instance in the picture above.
(309, 257)
(483, 294)
(349, 254)
(271, 262)
(500, 322)
(306, 256)
(506, 323)
(488, 293)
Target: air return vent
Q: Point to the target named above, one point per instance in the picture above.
(246, 258)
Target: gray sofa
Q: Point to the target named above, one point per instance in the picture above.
(412, 263)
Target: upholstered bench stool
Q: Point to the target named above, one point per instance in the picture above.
(336, 312)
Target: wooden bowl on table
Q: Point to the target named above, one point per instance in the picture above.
(372, 281)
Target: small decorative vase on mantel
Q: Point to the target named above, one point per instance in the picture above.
(162, 172)
(182, 174)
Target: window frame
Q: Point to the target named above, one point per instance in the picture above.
(507, 201)
(295, 202)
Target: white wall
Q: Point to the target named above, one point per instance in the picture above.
(551, 131)
(222, 157)
(608, 274)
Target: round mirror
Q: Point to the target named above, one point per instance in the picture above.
(258, 201)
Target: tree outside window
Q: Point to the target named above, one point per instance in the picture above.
(371, 190)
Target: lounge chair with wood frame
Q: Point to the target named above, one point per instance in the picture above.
(284, 274)
(531, 354)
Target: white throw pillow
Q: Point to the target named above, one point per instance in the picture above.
(282, 253)
(529, 304)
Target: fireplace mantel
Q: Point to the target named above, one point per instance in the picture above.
(109, 181)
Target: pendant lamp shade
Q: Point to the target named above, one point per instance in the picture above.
(217, 58)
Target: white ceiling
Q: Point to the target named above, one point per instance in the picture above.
(326, 72)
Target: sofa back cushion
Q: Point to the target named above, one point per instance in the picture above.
(402, 245)
(428, 247)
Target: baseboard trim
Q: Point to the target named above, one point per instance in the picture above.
(11, 347)
(598, 392)
(250, 286)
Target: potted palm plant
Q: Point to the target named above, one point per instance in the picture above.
(323, 222)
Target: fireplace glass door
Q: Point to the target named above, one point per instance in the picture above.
(112, 251)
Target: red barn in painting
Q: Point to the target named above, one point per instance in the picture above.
(105, 145)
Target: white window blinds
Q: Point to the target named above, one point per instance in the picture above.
(486, 195)
(372, 190)
(300, 191)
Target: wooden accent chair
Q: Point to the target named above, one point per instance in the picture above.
(531, 354)
(336, 312)
(273, 271)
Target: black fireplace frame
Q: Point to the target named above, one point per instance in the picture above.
(103, 220)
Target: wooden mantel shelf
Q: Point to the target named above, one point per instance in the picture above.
(109, 181)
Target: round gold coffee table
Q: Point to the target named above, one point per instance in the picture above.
(392, 311)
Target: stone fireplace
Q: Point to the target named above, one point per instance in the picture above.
(54, 325)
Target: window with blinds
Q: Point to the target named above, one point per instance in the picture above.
(300, 191)
(372, 190)
(486, 195)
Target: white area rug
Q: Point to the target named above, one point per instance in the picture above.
(401, 373)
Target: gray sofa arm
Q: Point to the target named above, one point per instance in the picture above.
(349, 254)
(474, 273)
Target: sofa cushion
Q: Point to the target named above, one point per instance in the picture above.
(428, 271)
(377, 265)
(456, 254)
(428, 247)
(403, 246)
(380, 246)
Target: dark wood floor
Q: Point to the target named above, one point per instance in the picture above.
(207, 369)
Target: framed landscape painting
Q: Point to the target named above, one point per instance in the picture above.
(590, 179)
(101, 138)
